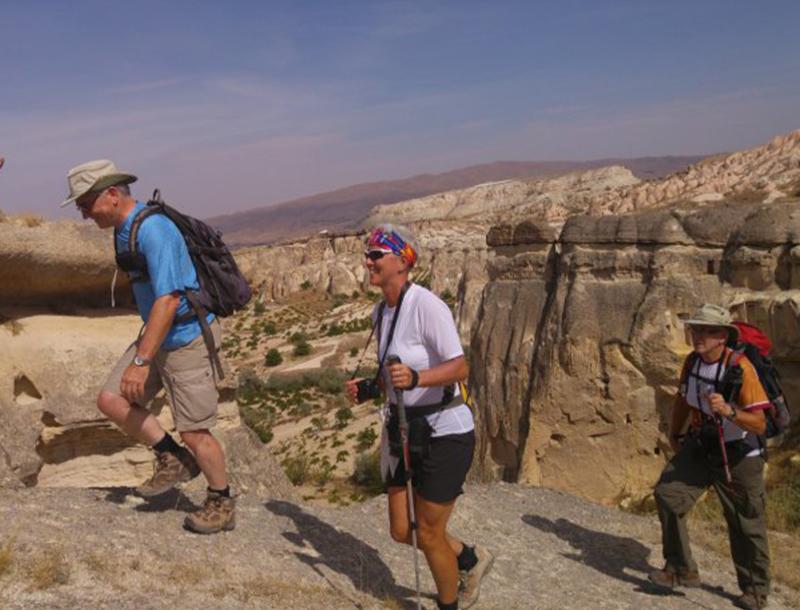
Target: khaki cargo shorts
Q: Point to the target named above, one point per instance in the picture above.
(188, 377)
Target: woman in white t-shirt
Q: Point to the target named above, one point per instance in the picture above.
(416, 325)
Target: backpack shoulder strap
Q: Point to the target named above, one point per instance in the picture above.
(137, 222)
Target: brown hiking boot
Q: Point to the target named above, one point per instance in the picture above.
(751, 601)
(169, 469)
(670, 578)
(470, 580)
(218, 513)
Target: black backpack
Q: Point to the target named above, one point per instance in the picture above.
(223, 288)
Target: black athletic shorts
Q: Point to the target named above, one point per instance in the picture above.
(440, 476)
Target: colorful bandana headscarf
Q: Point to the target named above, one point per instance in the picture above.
(380, 240)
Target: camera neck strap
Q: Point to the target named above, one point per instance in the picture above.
(377, 325)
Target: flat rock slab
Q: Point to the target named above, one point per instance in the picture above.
(77, 548)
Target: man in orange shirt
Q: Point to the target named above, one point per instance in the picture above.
(700, 462)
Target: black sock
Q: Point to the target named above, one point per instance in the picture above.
(450, 606)
(467, 559)
(166, 444)
(225, 493)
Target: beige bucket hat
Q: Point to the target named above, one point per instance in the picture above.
(94, 176)
(713, 315)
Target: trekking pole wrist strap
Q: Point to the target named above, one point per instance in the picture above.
(414, 379)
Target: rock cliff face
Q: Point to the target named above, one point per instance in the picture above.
(62, 264)
(578, 341)
(453, 259)
(451, 226)
(51, 433)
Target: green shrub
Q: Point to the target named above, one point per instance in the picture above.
(367, 472)
(298, 337)
(259, 421)
(303, 409)
(355, 294)
(269, 328)
(365, 439)
(297, 469)
(259, 308)
(319, 422)
(338, 300)
(250, 387)
(273, 358)
(353, 352)
(306, 285)
(343, 415)
(302, 349)
(330, 381)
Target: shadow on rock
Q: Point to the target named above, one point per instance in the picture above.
(341, 552)
(606, 553)
(610, 554)
(174, 499)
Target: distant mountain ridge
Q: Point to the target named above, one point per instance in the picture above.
(346, 208)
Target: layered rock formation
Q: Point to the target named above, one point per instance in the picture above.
(62, 264)
(766, 173)
(453, 259)
(578, 341)
(51, 433)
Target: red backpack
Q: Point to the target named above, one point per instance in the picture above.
(755, 345)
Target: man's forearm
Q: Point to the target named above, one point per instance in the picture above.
(160, 321)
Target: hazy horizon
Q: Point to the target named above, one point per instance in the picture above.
(231, 108)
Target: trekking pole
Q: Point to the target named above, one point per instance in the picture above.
(412, 518)
(723, 451)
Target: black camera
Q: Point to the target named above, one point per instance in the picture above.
(367, 389)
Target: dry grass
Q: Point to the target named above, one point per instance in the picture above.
(708, 527)
(48, 568)
(189, 573)
(6, 557)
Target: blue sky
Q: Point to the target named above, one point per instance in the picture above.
(230, 106)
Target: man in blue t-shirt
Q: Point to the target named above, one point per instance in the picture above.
(170, 352)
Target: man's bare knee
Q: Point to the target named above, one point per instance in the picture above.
(111, 405)
(195, 438)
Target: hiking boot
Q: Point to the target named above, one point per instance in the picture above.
(218, 513)
(470, 580)
(671, 578)
(169, 469)
(751, 601)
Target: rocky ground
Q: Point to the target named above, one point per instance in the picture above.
(95, 548)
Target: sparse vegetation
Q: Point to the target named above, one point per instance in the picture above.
(48, 568)
(6, 557)
(343, 417)
(273, 358)
(365, 439)
(367, 472)
(302, 349)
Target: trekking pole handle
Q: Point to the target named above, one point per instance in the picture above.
(390, 360)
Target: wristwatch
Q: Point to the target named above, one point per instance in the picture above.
(139, 361)
(732, 415)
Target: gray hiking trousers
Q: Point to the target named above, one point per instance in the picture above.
(683, 481)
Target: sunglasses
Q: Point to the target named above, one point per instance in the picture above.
(88, 202)
(698, 329)
(375, 255)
